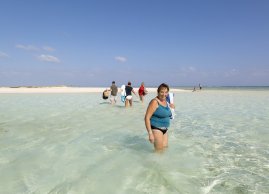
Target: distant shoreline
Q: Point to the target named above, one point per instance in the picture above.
(65, 89)
(70, 89)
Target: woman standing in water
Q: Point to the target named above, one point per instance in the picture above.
(142, 92)
(157, 119)
(129, 90)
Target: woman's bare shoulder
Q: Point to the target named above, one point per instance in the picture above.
(153, 102)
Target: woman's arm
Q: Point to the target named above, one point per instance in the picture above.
(172, 106)
(134, 92)
(150, 110)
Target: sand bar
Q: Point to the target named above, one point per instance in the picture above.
(67, 90)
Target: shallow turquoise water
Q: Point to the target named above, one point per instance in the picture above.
(78, 143)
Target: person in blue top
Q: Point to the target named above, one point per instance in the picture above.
(157, 119)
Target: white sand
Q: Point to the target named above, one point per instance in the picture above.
(68, 90)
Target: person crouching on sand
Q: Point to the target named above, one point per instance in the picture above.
(157, 119)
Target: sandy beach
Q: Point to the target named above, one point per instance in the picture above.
(67, 89)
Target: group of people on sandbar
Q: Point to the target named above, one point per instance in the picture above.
(126, 93)
(159, 111)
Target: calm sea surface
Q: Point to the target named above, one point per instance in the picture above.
(78, 143)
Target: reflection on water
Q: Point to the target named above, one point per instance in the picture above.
(78, 143)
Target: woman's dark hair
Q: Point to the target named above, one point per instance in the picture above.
(163, 85)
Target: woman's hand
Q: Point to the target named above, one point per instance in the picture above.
(172, 106)
(151, 137)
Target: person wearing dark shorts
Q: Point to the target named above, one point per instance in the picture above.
(157, 119)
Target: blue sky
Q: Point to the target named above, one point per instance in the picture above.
(91, 43)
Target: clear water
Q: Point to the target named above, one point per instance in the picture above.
(78, 143)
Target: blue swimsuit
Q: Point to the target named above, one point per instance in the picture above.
(160, 119)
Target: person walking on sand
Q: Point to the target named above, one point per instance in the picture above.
(142, 92)
(200, 87)
(114, 92)
(157, 119)
(129, 90)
